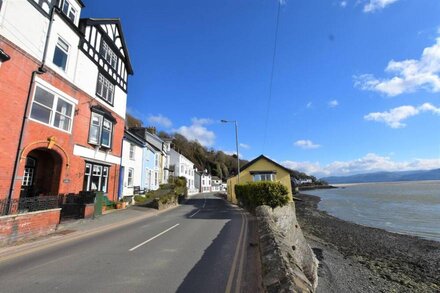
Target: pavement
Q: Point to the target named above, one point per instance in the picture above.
(200, 246)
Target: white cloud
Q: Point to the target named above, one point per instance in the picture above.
(367, 164)
(343, 4)
(201, 121)
(306, 144)
(394, 117)
(333, 103)
(244, 146)
(409, 75)
(198, 132)
(160, 120)
(306, 167)
(309, 105)
(375, 5)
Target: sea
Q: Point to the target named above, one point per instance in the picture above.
(411, 207)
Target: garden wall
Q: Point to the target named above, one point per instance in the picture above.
(14, 228)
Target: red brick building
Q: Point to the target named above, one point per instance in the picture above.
(63, 94)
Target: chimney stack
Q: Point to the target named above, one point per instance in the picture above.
(151, 129)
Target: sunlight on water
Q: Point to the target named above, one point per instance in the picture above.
(404, 207)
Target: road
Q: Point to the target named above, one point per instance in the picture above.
(198, 247)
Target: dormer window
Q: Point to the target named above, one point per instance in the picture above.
(108, 54)
(105, 89)
(69, 11)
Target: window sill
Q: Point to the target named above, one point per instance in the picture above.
(99, 147)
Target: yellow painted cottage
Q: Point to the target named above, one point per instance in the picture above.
(260, 169)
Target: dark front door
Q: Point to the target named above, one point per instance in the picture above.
(41, 173)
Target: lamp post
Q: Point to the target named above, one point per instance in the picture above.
(236, 145)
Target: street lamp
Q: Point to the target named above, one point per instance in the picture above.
(236, 145)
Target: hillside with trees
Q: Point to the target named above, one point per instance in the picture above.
(216, 162)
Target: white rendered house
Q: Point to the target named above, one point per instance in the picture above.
(216, 184)
(203, 181)
(183, 167)
(131, 164)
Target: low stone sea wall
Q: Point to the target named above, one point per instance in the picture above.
(288, 263)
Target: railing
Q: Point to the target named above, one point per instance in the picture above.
(28, 204)
(72, 205)
(46, 202)
(84, 197)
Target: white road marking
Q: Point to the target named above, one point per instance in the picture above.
(152, 238)
(194, 214)
(204, 204)
(236, 255)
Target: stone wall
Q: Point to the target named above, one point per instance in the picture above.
(14, 228)
(165, 202)
(288, 263)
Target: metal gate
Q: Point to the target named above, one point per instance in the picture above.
(73, 205)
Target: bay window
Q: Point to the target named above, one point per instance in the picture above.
(101, 129)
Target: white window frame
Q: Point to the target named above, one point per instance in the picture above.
(69, 10)
(156, 163)
(109, 55)
(130, 177)
(57, 45)
(132, 152)
(263, 177)
(105, 89)
(53, 109)
(101, 126)
(103, 176)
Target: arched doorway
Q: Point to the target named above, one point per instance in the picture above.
(41, 174)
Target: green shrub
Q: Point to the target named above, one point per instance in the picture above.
(254, 194)
(140, 198)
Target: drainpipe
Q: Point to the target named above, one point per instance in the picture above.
(39, 71)
(120, 180)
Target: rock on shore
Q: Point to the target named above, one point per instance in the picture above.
(355, 258)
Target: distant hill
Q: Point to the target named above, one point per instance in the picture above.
(386, 177)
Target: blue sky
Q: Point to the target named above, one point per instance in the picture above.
(356, 84)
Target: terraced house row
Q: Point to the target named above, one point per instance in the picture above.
(63, 96)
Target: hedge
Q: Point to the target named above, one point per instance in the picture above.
(254, 194)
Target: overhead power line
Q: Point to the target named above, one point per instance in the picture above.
(269, 100)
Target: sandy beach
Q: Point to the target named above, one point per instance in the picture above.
(355, 258)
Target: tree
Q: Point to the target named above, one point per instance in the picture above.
(131, 121)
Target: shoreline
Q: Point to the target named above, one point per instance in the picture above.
(356, 258)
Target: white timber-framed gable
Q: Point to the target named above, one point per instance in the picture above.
(104, 44)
